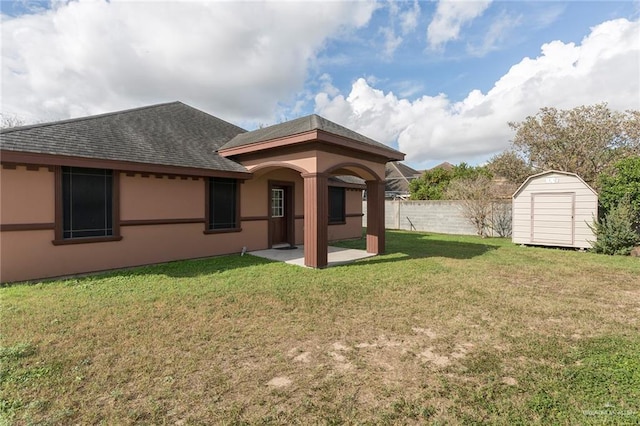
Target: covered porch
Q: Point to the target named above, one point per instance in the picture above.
(317, 150)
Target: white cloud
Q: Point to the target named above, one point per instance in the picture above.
(391, 42)
(409, 18)
(234, 59)
(408, 21)
(603, 68)
(450, 16)
(498, 31)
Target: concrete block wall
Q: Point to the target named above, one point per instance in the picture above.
(444, 217)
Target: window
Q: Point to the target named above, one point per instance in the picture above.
(277, 202)
(223, 208)
(87, 203)
(336, 205)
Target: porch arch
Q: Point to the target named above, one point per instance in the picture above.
(277, 165)
(369, 174)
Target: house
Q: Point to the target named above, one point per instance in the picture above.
(169, 182)
(554, 208)
(397, 179)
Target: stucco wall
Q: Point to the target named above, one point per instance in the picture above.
(28, 198)
(154, 198)
(353, 226)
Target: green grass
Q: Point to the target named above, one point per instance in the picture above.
(440, 330)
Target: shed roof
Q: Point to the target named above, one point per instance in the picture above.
(548, 172)
(172, 134)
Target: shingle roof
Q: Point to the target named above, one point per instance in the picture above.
(445, 165)
(398, 176)
(351, 180)
(297, 126)
(171, 134)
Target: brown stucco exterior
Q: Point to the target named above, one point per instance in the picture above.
(161, 220)
(160, 211)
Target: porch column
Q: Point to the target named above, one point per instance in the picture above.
(316, 219)
(375, 217)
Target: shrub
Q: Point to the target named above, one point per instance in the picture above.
(501, 218)
(622, 181)
(616, 232)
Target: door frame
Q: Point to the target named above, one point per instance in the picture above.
(289, 209)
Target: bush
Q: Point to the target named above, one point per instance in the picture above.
(616, 232)
(622, 181)
(501, 218)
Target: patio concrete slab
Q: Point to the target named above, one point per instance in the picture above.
(295, 256)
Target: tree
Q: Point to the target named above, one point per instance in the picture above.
(7, 121)
(476, 195)
(432, 185)
(585, 140)
(510, 166)
(623, 181)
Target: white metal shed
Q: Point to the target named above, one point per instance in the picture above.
(554, 208)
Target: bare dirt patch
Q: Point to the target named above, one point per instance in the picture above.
(280, 382)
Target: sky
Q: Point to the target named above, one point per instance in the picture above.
(438, 80)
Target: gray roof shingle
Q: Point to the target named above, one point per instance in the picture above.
(398, 175)
(351, 180)
(172, 134)
(297, 126)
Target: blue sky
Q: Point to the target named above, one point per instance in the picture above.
(438, 80)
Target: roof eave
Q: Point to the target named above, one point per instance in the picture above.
(313, 136)
(22, 157)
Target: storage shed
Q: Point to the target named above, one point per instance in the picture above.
(554, 208)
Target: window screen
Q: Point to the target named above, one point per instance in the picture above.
(336, 205)
(223, 203)
(87, 198)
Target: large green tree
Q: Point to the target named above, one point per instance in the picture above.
(432, 185)
(586, 140)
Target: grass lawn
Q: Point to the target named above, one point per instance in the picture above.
(442, 329)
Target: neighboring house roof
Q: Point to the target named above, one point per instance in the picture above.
(398, 176)
(300, 126)
(548, 172)
(444, 165)
(172, 134)
(348, 181)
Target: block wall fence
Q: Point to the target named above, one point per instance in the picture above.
(440, 216)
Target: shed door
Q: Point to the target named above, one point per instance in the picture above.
(552, 218)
